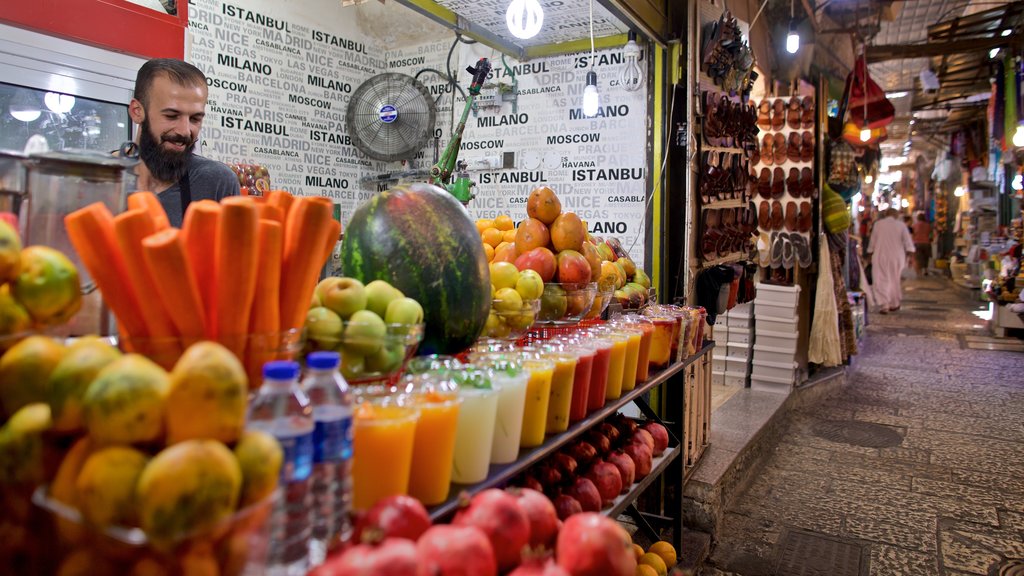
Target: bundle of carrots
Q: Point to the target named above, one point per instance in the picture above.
(237, 272)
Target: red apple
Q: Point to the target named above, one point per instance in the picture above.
(540, 260)
(573, 268)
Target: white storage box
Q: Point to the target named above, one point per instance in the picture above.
(717, 363)
(778, 340)
(736, 379)
(738, 321)
(779, 370)
(768, 384)
(774, 309)
(718, 378)
(737, 336)
(772, 354)
(766, 324)
(738, 350)
(780, 295)
(740, 365)
(744, 310)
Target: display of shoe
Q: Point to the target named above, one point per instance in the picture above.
(764, 115)
(802, 248)
(788, 253)
(790, 219)
(776, 250)
(793, 113)
(793, 182)
(776, 217)
(804, 218)
(793, 147)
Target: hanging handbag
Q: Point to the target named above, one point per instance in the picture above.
(868, 105)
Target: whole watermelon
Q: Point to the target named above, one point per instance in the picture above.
(420, 239)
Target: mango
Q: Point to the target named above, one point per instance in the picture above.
(10, 252)
(259, 458)
(207, 380)
(63, 488)
(106, 486)
(72, 376)
(125, 403)
(47, 285)
(25, 372)
(21, 446)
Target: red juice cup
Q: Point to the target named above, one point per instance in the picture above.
(599, 373)
(581, 382)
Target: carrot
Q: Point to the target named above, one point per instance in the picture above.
(332, 241)
(305, 235)
(265, 319)
(283, 200)
(150, 203)
(167, 261)
(200, 229)
(271, 212)
(237, 258)
(91, 230)
(130, 228)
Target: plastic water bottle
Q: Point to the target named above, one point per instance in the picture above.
(332, 451)
(283, 410)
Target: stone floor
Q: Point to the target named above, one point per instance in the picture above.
(915, 467)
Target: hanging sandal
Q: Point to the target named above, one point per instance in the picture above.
(764, 184)
(776, 217)
(778, 183)
(793, 182)
(779, 148)
(767, 149)
(802, 249)
(788, 254)
(806, 147)
(790, 218)
(778, 114)
(775, 255)
(807, 182)
(808, 113)
(793, 113)
(803, 218)
(793, 147)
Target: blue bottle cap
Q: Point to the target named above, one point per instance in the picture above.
(281, 370)
(325, 360)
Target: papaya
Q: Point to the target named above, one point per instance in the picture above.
(208, 380)
(105, 486)
(259, 458)
(63, 489)
(21, 445)
(150, 566)
(71, 377)
(47, 285)
(14, 318)
(86, 561)
(25, 372)
(125, 403)
(187, 488)
(10, 252)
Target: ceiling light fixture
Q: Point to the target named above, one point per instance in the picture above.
(869, 179)
(793, 38)
(24, 107)
(591, 99)
(899, 94)
(524, 18)
(993, 53)
(1018, 182)
(1018, 136)
(905, 203)
(1006, 32)
(958, 191)
(59, 103)
(630, 75)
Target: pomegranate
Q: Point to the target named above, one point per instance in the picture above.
(542, 516)
(582, 452)
(564, 463)
(393, 557)
(448, 550)
(584, 491)
(642, 457)
(392, 517)
(627, 469)
(498, 515)
(641, 435)
(625, 424)
(607, 479)
(531, 483)
(594, 545)
(539, 567)
(610, 431)
(566, 506)
(600, 442)
(548, 476)
(660, 435)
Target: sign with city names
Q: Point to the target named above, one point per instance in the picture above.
(281, 76)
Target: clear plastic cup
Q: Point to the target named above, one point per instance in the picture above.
(437, 398)
(382, 447)
(616, 361)
(538, 395)
(661, 340)
(581, 378)
(475, 431)
(512, 379)
(599, 373)
(646, 335)
(431, 363)
(561, 387)
(629, 371)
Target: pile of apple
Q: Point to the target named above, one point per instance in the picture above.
(589, 474)
(515, 299)
(368, 325)
(630, 285)
(514, 532)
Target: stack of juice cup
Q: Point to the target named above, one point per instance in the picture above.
(629, 371)
(383, 436)
(661, 341)
(561, 385)
(646, 328)
(585, 355)
(538, 395)
(511, 379)
(474, 433)
(599, 373)
(616, 360)
(437, 398)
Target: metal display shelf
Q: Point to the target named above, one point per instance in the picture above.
(658, 466)
(501, 474)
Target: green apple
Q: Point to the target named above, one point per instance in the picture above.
(345, 297)
(404, 310)
(504, 274)
(379, 294)
(553, 303)
(385, 360)
(314, 301)
(323, 285)
(507, 300)
(364, 333)
(530, 285)
(323, 327)
(352, 365)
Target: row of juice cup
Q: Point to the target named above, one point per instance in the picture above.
(448, 421)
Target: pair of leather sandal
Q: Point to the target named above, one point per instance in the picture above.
(789, 249)
(727, 231)
(793, 217)
(800, 182)
(773, 149)
(797, 113)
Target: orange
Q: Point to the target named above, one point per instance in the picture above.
(531, 234)
(645, 570)
(489, 252)
(504, 223)
(666, 551)
(543, 205)
(483, 224)
(638, 551)
(509, 235)
(505, 253)
(491, 236)
(654, 561)
(568, 233)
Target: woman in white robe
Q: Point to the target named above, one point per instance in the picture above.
(889, 248)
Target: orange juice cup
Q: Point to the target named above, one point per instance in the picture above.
(538, 395)
(383, 437)
(646, 328)
(434, 447)
(629, 371)
(661, 341)
(616, 363)
(561, 389)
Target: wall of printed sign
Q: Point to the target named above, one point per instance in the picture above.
(281, 75)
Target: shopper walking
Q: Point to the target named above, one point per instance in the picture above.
(889, 249)
(922, 237)
(169, 106)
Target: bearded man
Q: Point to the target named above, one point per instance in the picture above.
(169, 105)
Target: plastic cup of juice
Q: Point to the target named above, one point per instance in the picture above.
(661, 341)
(580, 380)
(599, 373)
(629, 371)
(382, 447)
(474, 433)
(438, 401)
(616, 361)
(561, 387)
(511, 379)
(646, 328)
(538, 395)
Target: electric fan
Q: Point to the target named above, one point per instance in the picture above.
(390, 117)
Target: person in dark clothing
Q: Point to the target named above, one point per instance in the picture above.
(169, 105)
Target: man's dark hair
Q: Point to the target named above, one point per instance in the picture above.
(178, 71)
(921, 217)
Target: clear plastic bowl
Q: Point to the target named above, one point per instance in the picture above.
(365, 355)
(510, 322)
(566, 303)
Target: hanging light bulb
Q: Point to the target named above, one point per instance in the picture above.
(59, 103)
(905, 203)
(630, 76)
(869, 179)
(590, 96)
(524, 18)
(1018, 182)
(793, 38)
(865, 134)
(1018, 136)
(958, 191)
(24, 107)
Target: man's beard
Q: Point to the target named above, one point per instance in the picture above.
(165, 165)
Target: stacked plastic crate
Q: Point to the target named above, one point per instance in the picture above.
(775, 337)
(733, 341)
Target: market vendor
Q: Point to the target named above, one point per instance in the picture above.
(169, 104)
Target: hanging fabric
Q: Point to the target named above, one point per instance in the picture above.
(1010, 96)
(825, 348)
